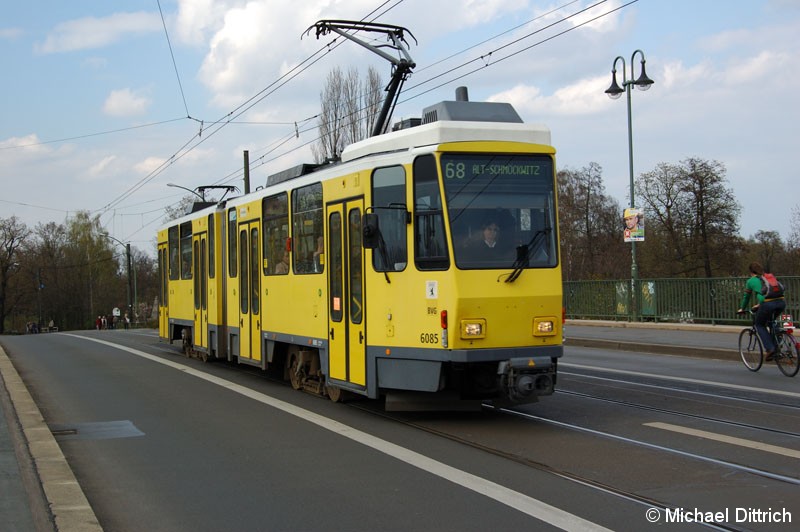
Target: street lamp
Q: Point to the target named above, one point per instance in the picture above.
(130, 278)
(615, 91)
(201, 195)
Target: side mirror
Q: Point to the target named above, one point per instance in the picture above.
(371, 230)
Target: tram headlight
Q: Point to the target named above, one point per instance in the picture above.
(544, 326)
(471, 329)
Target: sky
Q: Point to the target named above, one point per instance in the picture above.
(105, 103)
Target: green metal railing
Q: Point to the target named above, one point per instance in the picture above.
(669, 300)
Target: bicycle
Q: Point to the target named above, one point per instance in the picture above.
(786, 354)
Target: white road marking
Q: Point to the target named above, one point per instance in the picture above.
(681, 379)
(761, 472)
(783, 451)
(518, 501)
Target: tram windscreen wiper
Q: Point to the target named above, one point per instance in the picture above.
(526, 251)
(384, 254)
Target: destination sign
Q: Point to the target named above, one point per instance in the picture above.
(460, 170)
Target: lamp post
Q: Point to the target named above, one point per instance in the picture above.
(199, 195)
(615, 91)
(130, 278)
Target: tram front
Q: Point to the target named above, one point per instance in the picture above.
(473, 306)
(503, 313)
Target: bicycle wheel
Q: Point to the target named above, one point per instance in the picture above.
(750, 349)
(787, 358)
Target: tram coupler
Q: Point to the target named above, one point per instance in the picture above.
(524, 379)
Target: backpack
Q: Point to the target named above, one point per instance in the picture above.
(771, 288)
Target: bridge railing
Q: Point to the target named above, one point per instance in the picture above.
(713, 300)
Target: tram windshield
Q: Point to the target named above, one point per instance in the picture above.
(501, 209)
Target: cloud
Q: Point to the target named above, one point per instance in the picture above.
(197, 19)
(591, 18)
(251, 44)
(91, 32)
(676, 76)
(125, 102)
(20, 142)
(10, 34)
(100, 170)
(585, 97)
(24, 150)
(760, 68)
(95, 63)
(149, 164)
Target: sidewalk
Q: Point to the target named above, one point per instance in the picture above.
(685, 339)
(15, 510)
(39, 490)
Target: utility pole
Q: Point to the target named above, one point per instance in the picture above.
(130, 280)
(246, 172)
(39, 287)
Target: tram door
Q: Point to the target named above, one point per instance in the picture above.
(249, 290)
(163, 301)
(347, 341)
(200, 254)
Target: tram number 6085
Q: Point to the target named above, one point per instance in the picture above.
(429, 338)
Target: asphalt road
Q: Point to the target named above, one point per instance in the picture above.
(160, 442)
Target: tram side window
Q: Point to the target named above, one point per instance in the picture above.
(430, 243)
(355, 277)
(174, 262)
(162, 275)
(186, 250)
(212, 249)
(389, 203)
(232, 242)
(307, 229)
(275, 211)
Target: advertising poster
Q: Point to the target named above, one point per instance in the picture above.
(634, 225)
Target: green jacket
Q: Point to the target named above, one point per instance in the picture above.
(752, 293)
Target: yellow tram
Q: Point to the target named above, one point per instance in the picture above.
(423, 265)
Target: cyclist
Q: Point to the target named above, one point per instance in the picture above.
(765, 308)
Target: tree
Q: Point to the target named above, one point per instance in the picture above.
(768, 245)
(146, 285)
(13, 236)
(173, 212)
(47, 259)
(590, 226)
(692, 219)
(348, 111)
(715, 208)
(794, 227)
(71, 273)
(793, 245)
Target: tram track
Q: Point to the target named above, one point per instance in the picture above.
(774, 396)
(667, 411)
(373, 408)
(695, 456)
(582, 480)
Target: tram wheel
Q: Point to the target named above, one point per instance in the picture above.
(335, 393)
(294, 377)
